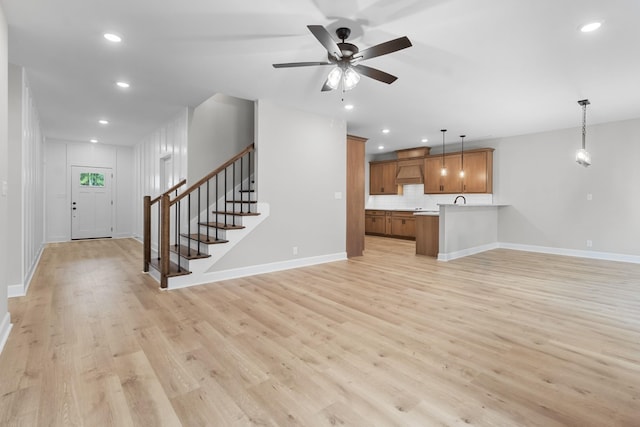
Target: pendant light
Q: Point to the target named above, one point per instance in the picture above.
(443, 171)
(582, 155)
(462, 157)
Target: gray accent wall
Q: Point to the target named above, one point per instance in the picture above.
(301, 164)
(219, 128)
(537, 175)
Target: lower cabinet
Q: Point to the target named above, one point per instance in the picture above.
(375, 222)
(401, 224)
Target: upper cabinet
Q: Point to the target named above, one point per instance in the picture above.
(382, 178)
(478, 172)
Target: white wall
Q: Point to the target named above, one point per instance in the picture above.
(60, 156)
(301, 160)
(168, 142)
(5, 318)
(25, 214)
(219, 128)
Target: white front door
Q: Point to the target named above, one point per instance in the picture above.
(90, 202)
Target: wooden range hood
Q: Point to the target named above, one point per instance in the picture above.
(411, 165)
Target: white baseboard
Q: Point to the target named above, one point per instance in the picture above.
(5, 328)
(466, 252)
(606, 256)
(252, 270)
(14, 291)
(20, 289)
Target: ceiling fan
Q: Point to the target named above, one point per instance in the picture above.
(347, 57)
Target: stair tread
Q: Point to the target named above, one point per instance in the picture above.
(242, 201)
(187, 252)
(173, 268)
(221, 225)
(236, 213)
(203, 238)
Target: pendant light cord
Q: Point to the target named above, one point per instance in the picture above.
(443, 131)
(584, 103)
(584, 125)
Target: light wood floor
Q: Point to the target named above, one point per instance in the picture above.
(502, 338)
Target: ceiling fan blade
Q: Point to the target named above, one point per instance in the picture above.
(384, 48)
(325, 39)
(375, 74)
(300, 64)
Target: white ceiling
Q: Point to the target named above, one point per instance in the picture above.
(488, 68)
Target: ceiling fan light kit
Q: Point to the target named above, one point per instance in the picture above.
(347, 57)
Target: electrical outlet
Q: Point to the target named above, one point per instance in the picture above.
(295, 250)
(589, 243)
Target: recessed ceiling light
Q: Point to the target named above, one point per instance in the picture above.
(114, 38)
(385, 131)
(123, 85)
(380, 147)
(423, 140)
(348, 107)
(591, 26)
(93, 140)
(103, 122)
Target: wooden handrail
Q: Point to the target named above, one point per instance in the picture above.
(212, 174)
(171, 190)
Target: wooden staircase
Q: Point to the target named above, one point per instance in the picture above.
(193, 229)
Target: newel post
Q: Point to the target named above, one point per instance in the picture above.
(146, 233)
(163, 250)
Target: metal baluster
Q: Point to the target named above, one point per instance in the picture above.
(241, 179)
(249, 179)
(178, 209)
(159, 229)
(226, 201)
(233, 193)
(198, 223)
(217, 211)
(208, 208)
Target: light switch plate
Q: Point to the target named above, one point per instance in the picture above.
(5, 188)
(337, 195)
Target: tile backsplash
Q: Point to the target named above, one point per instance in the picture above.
(414, 197)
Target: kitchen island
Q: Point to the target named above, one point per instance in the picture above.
(459, 229)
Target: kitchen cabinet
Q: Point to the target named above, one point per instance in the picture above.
(403, 224)
(375, 222)
(478, 168)
(382, 178)
(436, 183)
(478, 172)
(399, 224)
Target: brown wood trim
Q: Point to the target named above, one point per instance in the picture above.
(455, 153)
(355, 226)
(171, 190)
(213, 173)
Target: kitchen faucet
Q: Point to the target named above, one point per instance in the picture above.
(456, 200)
